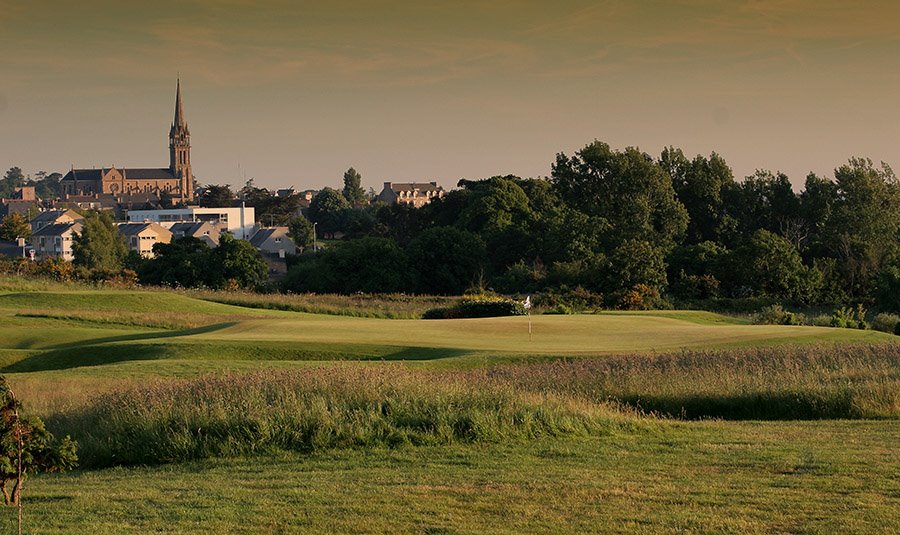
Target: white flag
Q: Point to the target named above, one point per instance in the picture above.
(527, 303)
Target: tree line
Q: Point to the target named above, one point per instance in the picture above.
(627, 228)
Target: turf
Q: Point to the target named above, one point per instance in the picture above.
(708, 477)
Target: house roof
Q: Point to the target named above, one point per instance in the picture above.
(57, 229)
(133, 229)
(263, 234)
(53, 215)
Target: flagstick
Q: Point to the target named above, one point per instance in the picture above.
(529, 326)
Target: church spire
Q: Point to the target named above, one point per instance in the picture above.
(179, 112)
(180, 149)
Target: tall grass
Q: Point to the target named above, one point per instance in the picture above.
(338, 407)
(784, 382)
(388, 306)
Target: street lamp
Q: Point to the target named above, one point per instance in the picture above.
(315, 238)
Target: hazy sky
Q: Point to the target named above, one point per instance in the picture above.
(292, 93)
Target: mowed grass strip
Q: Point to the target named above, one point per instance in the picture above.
(699, 477)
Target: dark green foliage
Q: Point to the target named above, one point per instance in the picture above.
(99, 246)
(236, 264)
(478, 306)
(183, 263)
(777, 315)
(326, 210)
(14, 226)
(446, 260)
(767, 265)
(887, 290)
(40, 452)
(217, 196)
(14, 178)
(301, 231)
(364, 265)
(353, 191)
(189, 262)
(628, 190)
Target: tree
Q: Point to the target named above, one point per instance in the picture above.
(628, 190)
(14, 226)
(11, 180)
(353, 191)
(236, 263)
(864, 227)
(326, 210)
(446, 260)
(300, 230)
(771, 267)
(27, 447)
(217, 196)
(371, 265)
(99, 246)
(184, 262)
(699, 183)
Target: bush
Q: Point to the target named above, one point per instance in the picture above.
(487, 306)
(483, 305)
(776, 315)
(642, 297)
(886, 323)
(848, 318)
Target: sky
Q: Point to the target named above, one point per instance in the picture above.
(292, 93)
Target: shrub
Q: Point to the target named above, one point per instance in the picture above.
(776, 315)
(487, 306)
(641, 297)
(886, 322)
(29, 438)
(482, 305)
(849, 318)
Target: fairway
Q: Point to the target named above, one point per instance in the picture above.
(73, 329)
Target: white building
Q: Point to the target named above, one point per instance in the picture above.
(240, 220)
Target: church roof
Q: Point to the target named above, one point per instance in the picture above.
(130, 174)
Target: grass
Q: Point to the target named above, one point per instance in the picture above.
(702, 477)
(453, 426)
(385, 306)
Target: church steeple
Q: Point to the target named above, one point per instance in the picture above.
(180, 149)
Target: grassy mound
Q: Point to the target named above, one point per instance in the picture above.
(338, 407)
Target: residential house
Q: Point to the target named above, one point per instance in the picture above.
(202, 230)
(55, 240)
(275, 244)
(274, 241)
(141, 237)
(416, 194)
(54, 217)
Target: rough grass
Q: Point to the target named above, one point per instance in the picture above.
(385, 306)
(316, 409)
(785, 382)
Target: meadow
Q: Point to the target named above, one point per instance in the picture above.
(216, 413)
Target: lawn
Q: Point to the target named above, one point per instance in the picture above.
(551, 440)
(707, 477)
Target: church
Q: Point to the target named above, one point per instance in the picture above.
(175, 182)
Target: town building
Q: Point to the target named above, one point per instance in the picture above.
(141, 237)
(274, 241)
(55, 240)
(202, 230)
(239, 220)
(175, 182)
(416, 194)
(53, 217)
